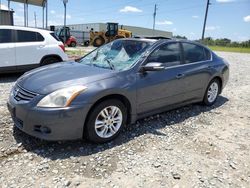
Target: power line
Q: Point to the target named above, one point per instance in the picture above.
(205, 20)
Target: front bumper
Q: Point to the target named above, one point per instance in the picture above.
(49, 123)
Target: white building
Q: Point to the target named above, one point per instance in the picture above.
(136, 31)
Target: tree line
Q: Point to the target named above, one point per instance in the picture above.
(226, 42)
(220, 42)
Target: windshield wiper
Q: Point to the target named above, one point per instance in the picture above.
(111, 65)
(94, 58)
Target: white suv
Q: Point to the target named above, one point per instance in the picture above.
(23, 48)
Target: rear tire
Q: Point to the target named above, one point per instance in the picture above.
(98, 41)
(212, 92)
(105, 121)
(50, 60)
(73, 44)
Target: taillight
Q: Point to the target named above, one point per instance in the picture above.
(62, 47)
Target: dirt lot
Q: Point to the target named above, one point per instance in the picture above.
(194, 146)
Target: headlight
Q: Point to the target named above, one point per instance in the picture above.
(61, 97)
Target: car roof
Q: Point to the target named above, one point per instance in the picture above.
(157, 39)
(23, 28)
(164, 40)
(140, 39)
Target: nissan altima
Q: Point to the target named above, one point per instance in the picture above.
(113, 86)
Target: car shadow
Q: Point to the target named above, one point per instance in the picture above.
(150, 125)
(10, 77)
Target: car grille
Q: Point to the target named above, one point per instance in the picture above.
(21, 94)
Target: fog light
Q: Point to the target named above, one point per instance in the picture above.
(45, 130)
(42, 129)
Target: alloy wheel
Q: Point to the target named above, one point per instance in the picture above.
(108, 122)
(212, 92)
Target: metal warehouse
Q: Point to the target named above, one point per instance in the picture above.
(137, 31)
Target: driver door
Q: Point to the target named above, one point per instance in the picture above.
(157, 89)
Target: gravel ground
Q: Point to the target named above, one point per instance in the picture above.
(194, 146)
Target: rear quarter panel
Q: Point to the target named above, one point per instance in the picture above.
(222, 68)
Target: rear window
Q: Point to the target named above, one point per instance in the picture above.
(207, 53)
(5, 36)
(29, 36)
(193, 53)
(54, 36)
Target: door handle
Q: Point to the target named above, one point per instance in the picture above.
(41, 46)
(178, 76)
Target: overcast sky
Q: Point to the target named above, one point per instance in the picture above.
(226, 18)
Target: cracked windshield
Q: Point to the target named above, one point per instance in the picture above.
(117, 55)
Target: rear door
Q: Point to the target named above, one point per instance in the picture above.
(197, 69)
(7, 50)
(30, 48)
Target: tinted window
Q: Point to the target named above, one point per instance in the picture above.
(5, 36)
(193, 53)
(28, 36)
(39, 37)
(208, 54)
(54, 36)
(167, 53)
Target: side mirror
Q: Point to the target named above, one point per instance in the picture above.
(153, 66)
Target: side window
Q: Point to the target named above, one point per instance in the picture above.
(67, 33)
(54, 36)
(193, 53)
(5, 36)
(207, 53)
(28, 36)
(39, 37)
(169, 54)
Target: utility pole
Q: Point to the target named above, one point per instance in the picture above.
(35, 19)
(46, 23)
(205, 20)
(154, 15)
(0, 8)
(65, 9)
(43, 13)
(24, 14)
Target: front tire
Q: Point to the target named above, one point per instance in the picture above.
(212, 92)
(105, 121)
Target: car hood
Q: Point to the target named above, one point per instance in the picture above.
(47, 79)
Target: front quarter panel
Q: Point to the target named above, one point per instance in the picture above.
(123, 83)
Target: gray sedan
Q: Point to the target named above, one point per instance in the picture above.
(115, 85)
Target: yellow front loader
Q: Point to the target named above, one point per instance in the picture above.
(98, 38)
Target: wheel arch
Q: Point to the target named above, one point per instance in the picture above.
(49, 56)
(119, 97)
(220, 81)
(103, 38)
